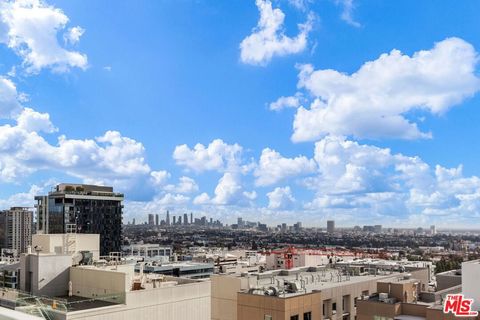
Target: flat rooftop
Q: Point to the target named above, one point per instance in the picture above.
(183, 266)
(308, 280)
(76, 303)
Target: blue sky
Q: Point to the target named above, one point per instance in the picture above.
(122, 94)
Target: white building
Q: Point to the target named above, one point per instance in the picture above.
(70, 282)
(471, 282)
(147, 250)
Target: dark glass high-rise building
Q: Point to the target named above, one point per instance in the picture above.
(88, 208)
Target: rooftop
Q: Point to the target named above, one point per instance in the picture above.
(298, 281)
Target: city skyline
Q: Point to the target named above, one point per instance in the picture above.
(274, 111)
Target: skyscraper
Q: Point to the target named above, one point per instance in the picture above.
(157, 219)
(151, 219)
(191, 218)
(330, 226)
(88, 208)
(16, 229)
(167, 219)
(185, 219)
(240, 222)
(174, 220)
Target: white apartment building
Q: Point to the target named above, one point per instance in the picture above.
(64, 279)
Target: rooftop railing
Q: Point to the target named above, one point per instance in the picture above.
(47, 307)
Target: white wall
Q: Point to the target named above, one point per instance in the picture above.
(471, 282)
(83, 242)
(92, 282)
(183, 302)
(49, 274)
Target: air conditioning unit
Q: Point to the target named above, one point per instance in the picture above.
(382, 296)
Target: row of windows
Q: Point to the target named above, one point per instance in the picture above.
(306, 316)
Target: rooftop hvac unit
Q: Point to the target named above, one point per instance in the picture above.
(382, 296)
(293, 286)
(87, 258)
(407, 276)
(271, 291)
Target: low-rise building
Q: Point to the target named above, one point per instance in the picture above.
(324, 292)
(147, 250)
(66, 284)
(192, 270)
(400, 299)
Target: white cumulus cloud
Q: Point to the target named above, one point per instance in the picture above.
(268, 38)
(31, 120)
(280, 198)
(10, 105)
(360, 180)
(185, 185)
(159, 178)
(374, 102)
(217, 156)
(272, 167)
(73, 35)
(286, 102)
(31, 27)
(228, 192)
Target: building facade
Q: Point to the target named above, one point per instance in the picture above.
(330, 226)
(310, 293)
(16, 229)
(86, 209)
(67, 282)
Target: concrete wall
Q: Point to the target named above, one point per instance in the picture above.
(367, 310)
(256, 307)
(412, 309)
(224, 295)
(184, 302)
(51, 243)
(89, 282)
(403, 291)
(45, 275)
(471, 282)
(349, 291)
(447, 280)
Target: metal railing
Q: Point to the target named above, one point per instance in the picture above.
(47, 307)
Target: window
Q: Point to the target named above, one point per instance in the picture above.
(268, 317)
(307, 316)
(295, 317)
(334, 308)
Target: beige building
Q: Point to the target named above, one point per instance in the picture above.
(16, 229)
(63, 243)
(401, 299)
(309, 292)
(64, 280)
